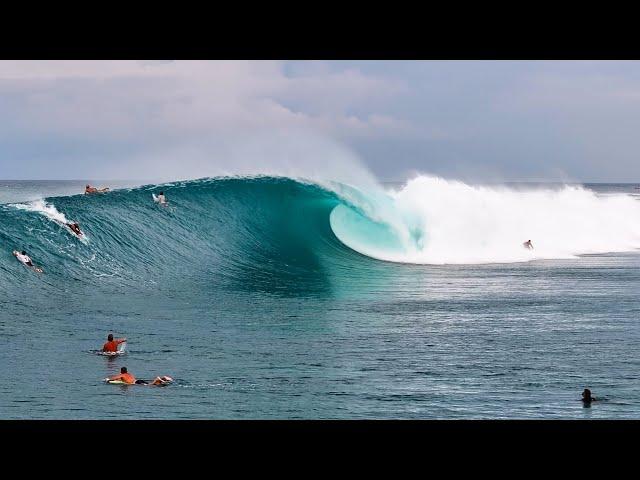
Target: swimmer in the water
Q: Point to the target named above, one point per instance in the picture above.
(587, 398)
(161, 198)
(528, 245)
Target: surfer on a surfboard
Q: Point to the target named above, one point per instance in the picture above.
(112, 345)
(75, 228)
(160, 198)
(126, 378)
(26, 260)
(89, 189)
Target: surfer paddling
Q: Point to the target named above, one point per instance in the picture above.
(89, 189)
(528, 245)
(26, 260)
(125, 377)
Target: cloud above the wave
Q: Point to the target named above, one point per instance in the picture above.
(123, 100)
(485, 120)
(88, 115)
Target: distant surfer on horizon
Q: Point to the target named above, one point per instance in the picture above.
(528, 245)
(112, 345)
(89, 189)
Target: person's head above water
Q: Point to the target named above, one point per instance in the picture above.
(161, 193)
(23, 252)
(123, 370)
(110, 337)
(586, 395)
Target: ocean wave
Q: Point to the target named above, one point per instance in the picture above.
(279, 233)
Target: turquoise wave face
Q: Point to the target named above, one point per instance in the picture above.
(250, 234)
(353, 228)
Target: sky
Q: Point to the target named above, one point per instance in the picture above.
(469, 120)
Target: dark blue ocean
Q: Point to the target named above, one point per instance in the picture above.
(260, 297)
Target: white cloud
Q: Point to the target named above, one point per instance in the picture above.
(125, 100)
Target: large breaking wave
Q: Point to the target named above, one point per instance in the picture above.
(278, 233)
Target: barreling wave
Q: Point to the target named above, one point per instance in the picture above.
(277, 233)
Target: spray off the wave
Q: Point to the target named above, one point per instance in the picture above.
(435, 221)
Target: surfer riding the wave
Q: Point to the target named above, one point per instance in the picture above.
(160, 198)
(528, 245)
(75, 228)
(89, 189)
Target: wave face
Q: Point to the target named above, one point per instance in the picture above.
(253, 234)
(280, 235)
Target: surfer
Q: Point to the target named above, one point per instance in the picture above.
(161, 199)
(26, 260)
(75, 228)
(587, 398)
(129, 379)
(124, 376)
(528, 245)
(112, 345)
(89, 189)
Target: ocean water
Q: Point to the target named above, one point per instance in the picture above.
(270, 297)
